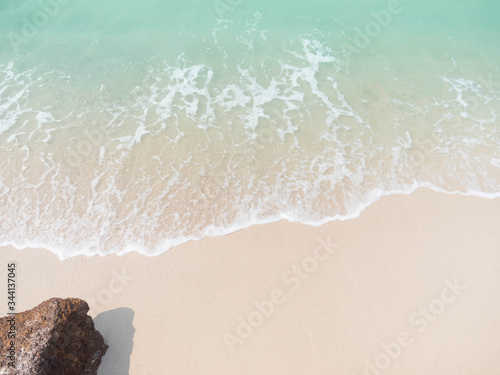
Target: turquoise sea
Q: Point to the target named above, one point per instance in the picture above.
(139, 125)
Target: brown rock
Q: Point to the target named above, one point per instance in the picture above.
(55, 338)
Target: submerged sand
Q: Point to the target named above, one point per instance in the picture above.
(409, 287)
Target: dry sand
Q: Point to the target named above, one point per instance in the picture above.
(417, 274)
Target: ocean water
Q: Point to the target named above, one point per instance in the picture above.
(139, 125)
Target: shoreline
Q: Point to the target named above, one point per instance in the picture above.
(332, 299)
(214, 232)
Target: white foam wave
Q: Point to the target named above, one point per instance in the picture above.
(191, 153)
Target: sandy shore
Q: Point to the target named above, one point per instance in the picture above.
(410, 287)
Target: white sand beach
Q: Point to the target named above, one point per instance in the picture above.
(410, 287)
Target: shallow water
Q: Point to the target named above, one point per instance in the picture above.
(140, 125)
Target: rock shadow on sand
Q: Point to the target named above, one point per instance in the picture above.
(118, 331)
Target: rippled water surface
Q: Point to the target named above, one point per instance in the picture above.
(128, 125)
